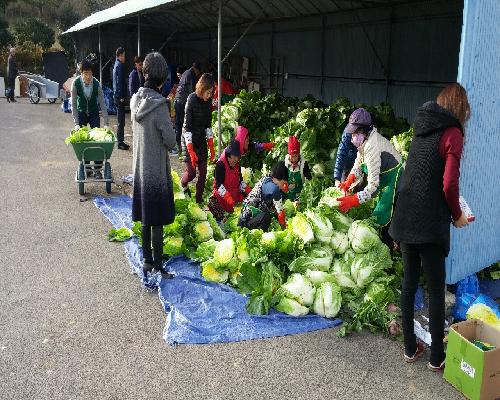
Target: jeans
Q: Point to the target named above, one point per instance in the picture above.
(11, 84)
(179, 121)
(260, 221)
(120, 115)
(94, 121)
(429, 257)
(190, 173)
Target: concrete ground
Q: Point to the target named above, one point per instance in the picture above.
(75, 324)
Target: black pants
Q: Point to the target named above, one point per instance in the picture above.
(429, 257)
(120, 115)
(179, 121)
(11, 85)
(260, 221)
(94, 121)
(152, 235)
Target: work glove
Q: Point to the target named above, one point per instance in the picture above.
(268, 146)
(337, 183)
(228, 199)
(245, 188)
(210, 142)
(348, 202)
(281, 219)
(192, 155)
(347, 183)
(76, 127)
(285, 187)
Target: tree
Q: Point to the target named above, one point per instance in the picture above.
(35, 31)
(5, 36)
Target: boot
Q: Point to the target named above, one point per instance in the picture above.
(158, 252)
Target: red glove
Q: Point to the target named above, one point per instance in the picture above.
(348, 202)
(285, 188)
(210, 142)
(228, 199)
(347, 183)
(268, 146)
(248, 189)
(281, 219)
(192, 154)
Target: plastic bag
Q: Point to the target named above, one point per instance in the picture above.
(467, 292)
(419, 299)
(485, 309)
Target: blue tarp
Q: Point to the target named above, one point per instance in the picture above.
(203, 312)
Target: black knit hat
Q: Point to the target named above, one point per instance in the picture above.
(233, 148)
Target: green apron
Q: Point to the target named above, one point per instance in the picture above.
(294, 184)
(386, 192)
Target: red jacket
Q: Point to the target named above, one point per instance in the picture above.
(232, 184)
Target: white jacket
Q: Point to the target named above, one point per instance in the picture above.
(370, 153)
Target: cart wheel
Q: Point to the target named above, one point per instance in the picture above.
(107, 170)
(108, 187)
(34, 93)
(52, 101)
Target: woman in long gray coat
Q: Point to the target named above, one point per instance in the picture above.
(154, 137)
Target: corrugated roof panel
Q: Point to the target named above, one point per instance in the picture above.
(118, 11)
(478, 245)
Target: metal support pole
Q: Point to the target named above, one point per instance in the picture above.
(100, 54)
(139, 35)
(323, 50)
(239, 39)
(219, 78)
(388, 63)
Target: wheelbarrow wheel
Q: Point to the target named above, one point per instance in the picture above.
(107, 175)
(52, 101)
(34, 93)
(81, 177)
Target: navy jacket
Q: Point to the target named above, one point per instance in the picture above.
(119, 80)
(135, 81)
(186, 86)
(346, 154)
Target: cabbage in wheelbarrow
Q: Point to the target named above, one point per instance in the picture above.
(85, 134)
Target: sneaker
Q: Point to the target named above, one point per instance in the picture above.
(418, 353)
(173, 152)
(123, 146)
(97, 174)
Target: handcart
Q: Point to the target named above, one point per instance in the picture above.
(40, 87)
(93, 151)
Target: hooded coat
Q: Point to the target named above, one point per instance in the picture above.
(422, 214)
(154, 136)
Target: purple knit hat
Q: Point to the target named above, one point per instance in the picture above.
(360, 117)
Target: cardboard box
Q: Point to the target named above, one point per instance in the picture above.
(474, 372)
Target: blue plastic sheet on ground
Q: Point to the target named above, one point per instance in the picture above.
(198, 311)
(118, 211)
(205, 312)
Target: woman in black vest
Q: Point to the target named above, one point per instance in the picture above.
(197, 137)
(428, 203)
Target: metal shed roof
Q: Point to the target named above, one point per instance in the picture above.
(188, 15)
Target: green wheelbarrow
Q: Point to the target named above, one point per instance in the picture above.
(93, 151)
